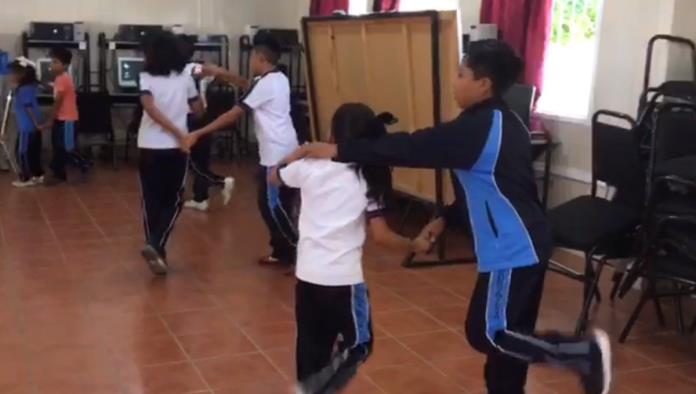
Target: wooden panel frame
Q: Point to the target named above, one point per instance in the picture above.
(358, 58)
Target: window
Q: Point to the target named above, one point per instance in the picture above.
(570, 59)
(420, 5)
(359, 7)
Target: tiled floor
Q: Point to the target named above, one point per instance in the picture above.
(80, 313)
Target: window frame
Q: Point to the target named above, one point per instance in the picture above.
(583, 119)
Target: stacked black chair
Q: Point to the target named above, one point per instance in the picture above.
(669, 246)
(132, 129)
(95, 126)
(221, 98)
(603, 228)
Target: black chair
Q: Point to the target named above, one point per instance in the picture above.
(95, 126)
(221, 98)
(671, 180)
(669, 257)
(602, 228)
(132, 129)
(520, 99)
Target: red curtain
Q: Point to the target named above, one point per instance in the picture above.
(327, 7)
(385, 5)
(526, 26)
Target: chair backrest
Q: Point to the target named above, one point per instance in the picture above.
(520, 99)
(220, 98)
(95, 112)
(674, 134)
(616, 157)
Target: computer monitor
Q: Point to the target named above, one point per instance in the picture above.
(129, 69)
(43, 70)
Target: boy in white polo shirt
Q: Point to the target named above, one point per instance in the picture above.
(268, 99)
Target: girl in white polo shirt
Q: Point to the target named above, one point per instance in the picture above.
(338, 202)
(167, 95)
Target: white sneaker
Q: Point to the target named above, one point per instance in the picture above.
(38, 180)
(227, 190)
(22, 184)
(199, 206)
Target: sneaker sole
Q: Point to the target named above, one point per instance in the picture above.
(227, 194)
(604, 344)
(154, 261)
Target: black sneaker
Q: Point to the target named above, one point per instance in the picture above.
(154, 260)
(598, 379)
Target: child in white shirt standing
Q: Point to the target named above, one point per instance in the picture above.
(167, 95)
(339, 201)
(268, 99)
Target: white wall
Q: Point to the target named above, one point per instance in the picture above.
(198, 16)
(626, 27)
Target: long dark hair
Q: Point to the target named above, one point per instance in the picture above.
(358, 121)
(27, 74)
(163, 54)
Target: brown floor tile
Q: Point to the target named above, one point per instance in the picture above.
(413, 379)
(389, 352)
(216, 343)
(406, 322)
(271, 336)
(195, 322)
(81, 313)
(431, 297)
(657, 380)
(163, 379)
(438, 345)
(236, 372)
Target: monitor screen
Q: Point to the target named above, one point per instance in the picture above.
(129, 69)
(43, 70)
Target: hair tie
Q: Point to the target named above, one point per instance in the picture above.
(24, 62)
(387, 118)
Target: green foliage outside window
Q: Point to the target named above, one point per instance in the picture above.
(574, 21)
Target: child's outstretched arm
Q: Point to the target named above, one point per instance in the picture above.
(455, 144)
(226, 76)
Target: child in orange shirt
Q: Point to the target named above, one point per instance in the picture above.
(64, 118)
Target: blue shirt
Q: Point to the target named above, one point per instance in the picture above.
(25, 98)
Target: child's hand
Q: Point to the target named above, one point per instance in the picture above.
(46, 126)
(187, 141)
(422, 244)
(434, 228)
(210, 70)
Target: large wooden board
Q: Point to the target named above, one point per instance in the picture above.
(385, 62)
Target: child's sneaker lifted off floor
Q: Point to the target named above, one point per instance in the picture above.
(488, 151)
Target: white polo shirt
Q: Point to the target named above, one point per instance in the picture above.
(332, 222)
(172, 95)
(268, 99)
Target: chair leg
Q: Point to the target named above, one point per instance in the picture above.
(634, 316)
(679, 311)
(660, 314)
(617, 278)
(581, 325)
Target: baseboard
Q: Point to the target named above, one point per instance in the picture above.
(567, 173)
